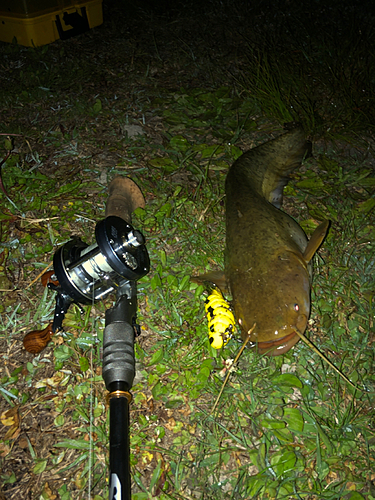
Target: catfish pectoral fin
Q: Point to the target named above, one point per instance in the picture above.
(316, 240)
(213, 277)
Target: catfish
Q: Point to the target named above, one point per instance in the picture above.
(267, 256)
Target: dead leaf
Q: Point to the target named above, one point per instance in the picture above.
(22, 443)
(10, 417)
(4, 450)
(54, 381)
(13, 432)
(47, 491)
(171, 424)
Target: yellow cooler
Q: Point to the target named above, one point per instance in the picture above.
(37, 22)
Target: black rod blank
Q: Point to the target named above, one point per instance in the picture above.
(119, 447)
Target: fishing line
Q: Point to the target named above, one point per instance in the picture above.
(91, 399)
(91, 411)
(91, 423)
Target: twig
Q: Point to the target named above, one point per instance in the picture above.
(2, 187)
(36, 221)
(39, 275)
(234, 362)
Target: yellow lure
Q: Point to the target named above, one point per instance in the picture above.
(220, 319)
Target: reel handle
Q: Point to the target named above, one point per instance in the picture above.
(124, 197)
(37, 340)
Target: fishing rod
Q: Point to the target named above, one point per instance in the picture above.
(84, 274)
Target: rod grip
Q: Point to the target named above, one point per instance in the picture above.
(118, 355)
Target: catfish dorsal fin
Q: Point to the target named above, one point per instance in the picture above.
(213, 277)
(316, 240)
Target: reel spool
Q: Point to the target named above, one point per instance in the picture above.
(90, 273)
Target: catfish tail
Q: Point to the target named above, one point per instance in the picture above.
(267, 167)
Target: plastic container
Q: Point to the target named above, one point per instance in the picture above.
(38, 22)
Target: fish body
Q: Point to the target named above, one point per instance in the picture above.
(267, 255)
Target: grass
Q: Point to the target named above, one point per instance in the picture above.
(286, 427)
(312, 69)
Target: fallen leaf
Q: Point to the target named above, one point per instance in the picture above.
(47, 491)
(13, 432)
(171, 424)
(10, 417)
(4, 450)
(54, 381)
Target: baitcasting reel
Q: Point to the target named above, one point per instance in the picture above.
(86, 274)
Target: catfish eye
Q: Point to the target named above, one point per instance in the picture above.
(296, 307)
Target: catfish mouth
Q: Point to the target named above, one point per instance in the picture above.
(278, 346)
(281, 345)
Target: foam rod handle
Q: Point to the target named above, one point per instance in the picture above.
(124, 197)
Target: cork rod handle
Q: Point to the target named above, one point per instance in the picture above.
(124, 197)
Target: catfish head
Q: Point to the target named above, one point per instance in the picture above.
(275, 295)
(277, 300)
